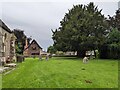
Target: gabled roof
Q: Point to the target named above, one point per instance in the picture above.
(32, 43)
(2, 24)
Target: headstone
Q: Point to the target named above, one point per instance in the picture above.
(85, 59)
(47, 57)
(40, 57)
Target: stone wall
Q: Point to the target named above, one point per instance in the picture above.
(8, 45)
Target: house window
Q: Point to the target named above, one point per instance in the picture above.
(33, 48)
(34, 53)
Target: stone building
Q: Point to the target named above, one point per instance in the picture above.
(7, 44)
(33, 49)
(1, 46)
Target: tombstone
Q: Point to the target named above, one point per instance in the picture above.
(85, 59)
(47, 57)
(40, 57)
(33, 56)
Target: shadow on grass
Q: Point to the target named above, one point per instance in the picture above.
(67, 58)
(78, 58)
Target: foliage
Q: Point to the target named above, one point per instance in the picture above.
(114, 21)
(18, 48)
(51, 49)
(111, 49)
(63, 72)
(82, 28)
(60, 53)
(20, 41)
(114, 36)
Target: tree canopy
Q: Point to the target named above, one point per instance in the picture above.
(20, 41)
(82, 28)
(111, 48)
(51, 49)
(114, 21)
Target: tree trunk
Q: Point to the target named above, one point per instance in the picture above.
(81, 53)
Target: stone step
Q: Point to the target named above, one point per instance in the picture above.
(3, 69)
(11, 65)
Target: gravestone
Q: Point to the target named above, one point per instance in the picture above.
(85, 59)
(40, 57)
(47, 57)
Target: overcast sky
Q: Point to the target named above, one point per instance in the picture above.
(38, 18)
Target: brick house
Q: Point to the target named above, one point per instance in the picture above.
(7, 44)
(33, 49)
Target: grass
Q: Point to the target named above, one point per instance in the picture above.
(63, 72)
(0, 81)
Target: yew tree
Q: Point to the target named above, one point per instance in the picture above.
(82, 28)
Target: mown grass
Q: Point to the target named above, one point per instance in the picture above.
(0, 81)
(63, 72)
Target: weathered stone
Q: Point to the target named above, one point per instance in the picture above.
(7, 43)
(11, 65)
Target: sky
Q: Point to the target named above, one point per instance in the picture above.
(38, 18)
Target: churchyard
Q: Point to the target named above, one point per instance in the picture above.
(63, 72)
(83, 29)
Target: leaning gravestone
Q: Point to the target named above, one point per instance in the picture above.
(85, 59)
(47, 57)
(40, 57)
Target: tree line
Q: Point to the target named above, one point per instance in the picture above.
(85, 28)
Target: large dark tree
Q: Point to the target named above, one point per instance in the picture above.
(111, 49)
(20, 41)
(83, 28)
(51, 50)
(114, 21)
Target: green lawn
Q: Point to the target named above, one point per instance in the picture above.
(0, 81)
(63, 72)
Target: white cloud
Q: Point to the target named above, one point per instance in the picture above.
(59, 0)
